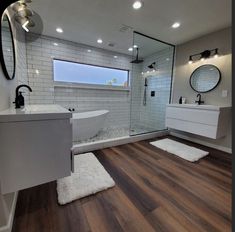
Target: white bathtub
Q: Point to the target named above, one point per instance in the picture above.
(87, 124)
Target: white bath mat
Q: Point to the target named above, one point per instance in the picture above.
(89, 177)
(186, 152)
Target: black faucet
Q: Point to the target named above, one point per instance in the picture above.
(199, 100)
(19, 99)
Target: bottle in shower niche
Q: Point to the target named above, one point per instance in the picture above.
(180, 100)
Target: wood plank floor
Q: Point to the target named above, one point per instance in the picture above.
(155, 191)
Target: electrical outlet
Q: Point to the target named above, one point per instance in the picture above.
(224, 93)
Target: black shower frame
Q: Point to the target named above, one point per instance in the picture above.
(172, 74)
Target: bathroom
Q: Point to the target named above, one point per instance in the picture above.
(117, 84)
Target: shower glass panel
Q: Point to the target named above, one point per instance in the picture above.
(151, 79)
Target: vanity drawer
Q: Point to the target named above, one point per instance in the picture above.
(34, 152)
(193, 115)
(209, 121)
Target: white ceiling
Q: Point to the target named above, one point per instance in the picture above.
(84, 21)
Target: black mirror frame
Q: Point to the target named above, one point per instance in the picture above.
(207, 90)
(4, 5)
(2, 60)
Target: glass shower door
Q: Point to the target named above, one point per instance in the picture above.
(151, 80)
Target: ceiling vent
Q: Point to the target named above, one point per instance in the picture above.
(125, 28)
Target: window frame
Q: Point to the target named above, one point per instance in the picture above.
(87, 85)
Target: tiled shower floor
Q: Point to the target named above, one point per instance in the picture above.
(114, 132)
(108, 133)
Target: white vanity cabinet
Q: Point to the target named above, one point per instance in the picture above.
(35, 146)
(205, 120)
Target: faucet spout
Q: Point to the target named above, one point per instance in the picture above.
(19, 99)
(20, 86)
(199, 101)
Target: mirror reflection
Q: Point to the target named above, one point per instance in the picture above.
(8, 52)
(205, 78)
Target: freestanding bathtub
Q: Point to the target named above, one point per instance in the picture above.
(87, 124)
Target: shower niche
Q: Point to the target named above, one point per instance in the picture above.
(151, 79)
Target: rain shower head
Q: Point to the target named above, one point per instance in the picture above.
(137, 60)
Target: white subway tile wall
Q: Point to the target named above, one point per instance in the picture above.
(40, 54)
(124, 109)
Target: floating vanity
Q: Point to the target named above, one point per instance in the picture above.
(205, 120)
(35, 146)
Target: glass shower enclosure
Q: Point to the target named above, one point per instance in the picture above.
(151, 81)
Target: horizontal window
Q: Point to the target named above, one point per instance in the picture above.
(72, 72)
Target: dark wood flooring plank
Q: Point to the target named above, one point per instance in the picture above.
(140, 198)
(99, 216)
(164, 221)
(125, 211)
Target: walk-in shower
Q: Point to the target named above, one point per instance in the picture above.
(150, 84)
(139, 106)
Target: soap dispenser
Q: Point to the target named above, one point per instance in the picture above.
(180, 100)
(21, 99)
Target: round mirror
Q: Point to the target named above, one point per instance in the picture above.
(7, 56)
(205, 78)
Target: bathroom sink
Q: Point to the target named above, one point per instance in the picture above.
(196, 106)
(34, 112)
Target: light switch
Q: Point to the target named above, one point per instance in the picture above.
(224, 93)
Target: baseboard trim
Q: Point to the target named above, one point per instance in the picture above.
(87, 147)
(221, 148)
(8, 226)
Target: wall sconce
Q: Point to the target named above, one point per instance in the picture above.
(204, 55)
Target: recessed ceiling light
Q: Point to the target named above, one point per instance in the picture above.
(115, 57)
(37, 71)
(130, 49)
(167, 59)
(135, 46)
(55, 44)
(175, 25)
(137, 5)
(59, 30)
(88, 50)
(100, 41)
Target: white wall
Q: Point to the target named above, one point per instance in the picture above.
(40, 54)
(221, 40)
(7, 94)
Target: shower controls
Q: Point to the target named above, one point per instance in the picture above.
(152, 93)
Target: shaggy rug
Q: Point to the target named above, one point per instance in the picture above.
(186, 152)
(89, 177)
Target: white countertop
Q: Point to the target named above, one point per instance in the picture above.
(34, 112)
(196, 106)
